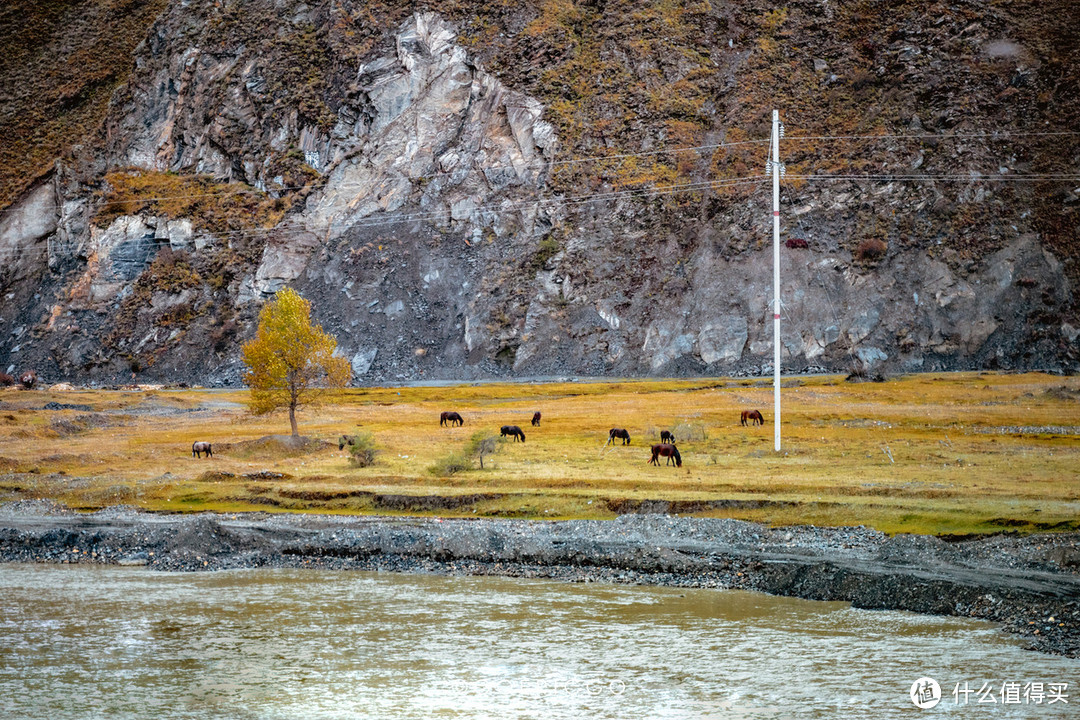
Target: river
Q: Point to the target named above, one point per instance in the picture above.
(118, 642)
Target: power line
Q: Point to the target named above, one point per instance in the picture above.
(297, 229)
(256, 191)
(974, 177)
(938, 136)
(659, 152)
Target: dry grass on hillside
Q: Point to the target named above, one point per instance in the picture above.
(929, 453)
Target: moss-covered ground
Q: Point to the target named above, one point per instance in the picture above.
(942, 454)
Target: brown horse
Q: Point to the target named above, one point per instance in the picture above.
(619, 433)
(536, 419)
(198, 448)
(667, 450)
(754, 416)
(452, 417)
(346, 440)
(667, 437)
(28, 379)
(6, 380)
(512, 430)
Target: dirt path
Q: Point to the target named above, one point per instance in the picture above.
(1029, 584)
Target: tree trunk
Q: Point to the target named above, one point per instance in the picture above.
(292, 420)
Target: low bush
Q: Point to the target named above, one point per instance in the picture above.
(690, 432)
(451, 464)
(362, 451)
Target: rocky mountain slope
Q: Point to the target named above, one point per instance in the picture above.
(496, 189)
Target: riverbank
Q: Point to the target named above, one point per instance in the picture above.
(1029, 584)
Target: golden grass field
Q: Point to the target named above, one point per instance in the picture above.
(936, 453)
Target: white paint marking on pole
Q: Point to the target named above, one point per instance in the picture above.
(776, 275)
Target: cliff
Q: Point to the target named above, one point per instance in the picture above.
(549, 188)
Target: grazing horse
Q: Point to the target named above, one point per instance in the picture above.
(6, 380)
(345, 440)
(536, 419)
(667, 450)
(28, 379)
(198, 448)
(512, 430)
(452, 417)
(667, 437)
(754, 416)
(619, 433)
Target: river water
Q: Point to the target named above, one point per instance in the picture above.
(113, 642)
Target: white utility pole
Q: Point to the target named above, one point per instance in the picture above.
(776, 167)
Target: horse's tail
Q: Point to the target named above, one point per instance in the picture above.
(678, 457)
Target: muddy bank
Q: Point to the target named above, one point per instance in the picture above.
(1029, 584)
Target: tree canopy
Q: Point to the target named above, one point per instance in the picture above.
(290, 361)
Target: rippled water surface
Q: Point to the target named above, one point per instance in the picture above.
(109, 642)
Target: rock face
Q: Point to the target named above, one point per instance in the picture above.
(445, 228)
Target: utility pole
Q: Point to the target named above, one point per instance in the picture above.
(777, 168)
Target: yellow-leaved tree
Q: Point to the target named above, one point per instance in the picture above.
(290, 362)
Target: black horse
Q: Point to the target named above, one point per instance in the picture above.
(754, 416)
(669, 451)
(536, 419)
(198, 448)
(512, 430)
(452, 417)
(667, 437)
(619, 433)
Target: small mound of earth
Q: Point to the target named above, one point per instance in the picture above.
(35, 507)
(1063, 393)
(204, 537)
(278, 445)
(66, 406)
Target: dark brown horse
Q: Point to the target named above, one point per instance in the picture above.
(452, 417)
(198, 448)
(6, 380)
(754, 416)
(619, 433)
(536, 419)
(667, 450)
(346, 440)
(512, 430)
(667, 437)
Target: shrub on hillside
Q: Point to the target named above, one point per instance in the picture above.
(871, 249)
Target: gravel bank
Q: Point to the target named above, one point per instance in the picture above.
(1031, 584)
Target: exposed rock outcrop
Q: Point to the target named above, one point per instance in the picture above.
(432, 198)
